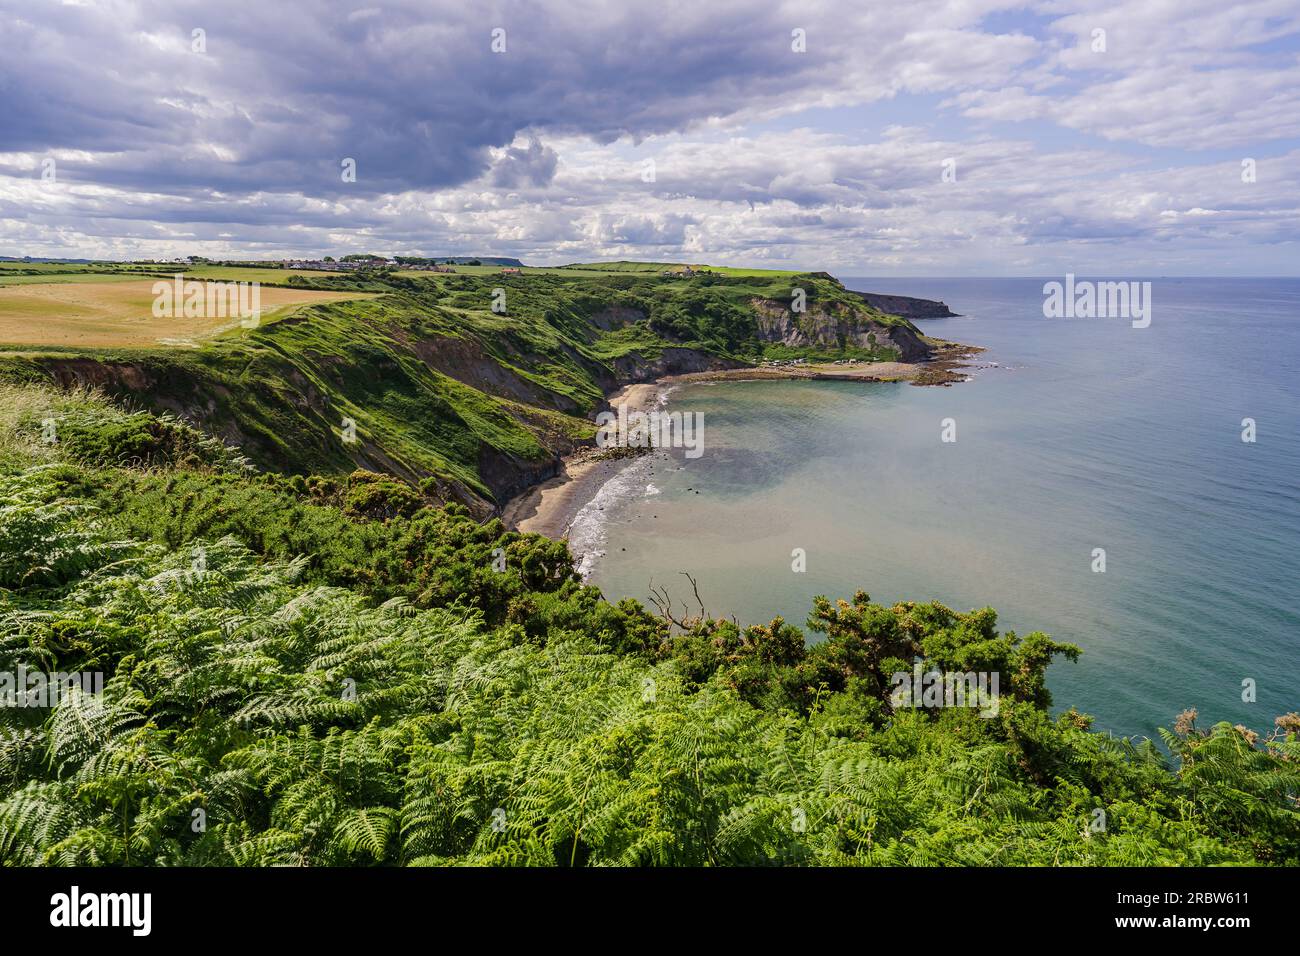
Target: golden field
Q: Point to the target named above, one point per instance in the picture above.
(114, 312)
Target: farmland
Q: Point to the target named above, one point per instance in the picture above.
(20, 273)
(114, 311)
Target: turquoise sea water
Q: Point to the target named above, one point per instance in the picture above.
(1088, 434)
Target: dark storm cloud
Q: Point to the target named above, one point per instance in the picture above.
(412, 92)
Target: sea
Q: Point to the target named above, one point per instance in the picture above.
(1131, 490)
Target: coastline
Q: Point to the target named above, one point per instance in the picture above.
(944, 369)
(549, 508)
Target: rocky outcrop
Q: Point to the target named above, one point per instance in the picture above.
(509, 476)
(906, 306)
(836, 326)
(635, 367)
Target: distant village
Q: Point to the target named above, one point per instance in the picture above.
(356, 263)
(351, 263)
(341, 265)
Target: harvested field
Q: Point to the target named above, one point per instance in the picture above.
(119, 314)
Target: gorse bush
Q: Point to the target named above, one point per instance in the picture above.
(253, 713)
(41, 423)
(142, 439)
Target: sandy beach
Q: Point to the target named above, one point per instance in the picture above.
(549, 508)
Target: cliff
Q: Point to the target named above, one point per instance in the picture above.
(428, 382)
(906, 306)
(837, 326)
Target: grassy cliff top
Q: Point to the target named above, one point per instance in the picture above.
(476, 381)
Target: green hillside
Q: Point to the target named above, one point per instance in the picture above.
(443, 389)
(333, 671)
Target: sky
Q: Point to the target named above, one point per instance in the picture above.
(910, 137)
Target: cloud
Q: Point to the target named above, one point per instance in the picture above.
(276, 96)
(233, 141)
(529, 165)
(1196, 75)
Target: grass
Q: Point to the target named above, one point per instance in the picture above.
(7, 279)
(438, 385)
(40, 424)
(115, 312)
(247, 274)
(18, 272)
(22, 410)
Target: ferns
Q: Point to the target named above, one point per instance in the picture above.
(367, 832)
(39, 816)
(39, 545)
(252, 718)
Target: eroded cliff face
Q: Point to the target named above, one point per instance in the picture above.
(616, 317)
(476, 418)
(465, 360)
(305, 417)
(635, 367)
(299, 418)
(836, 326)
